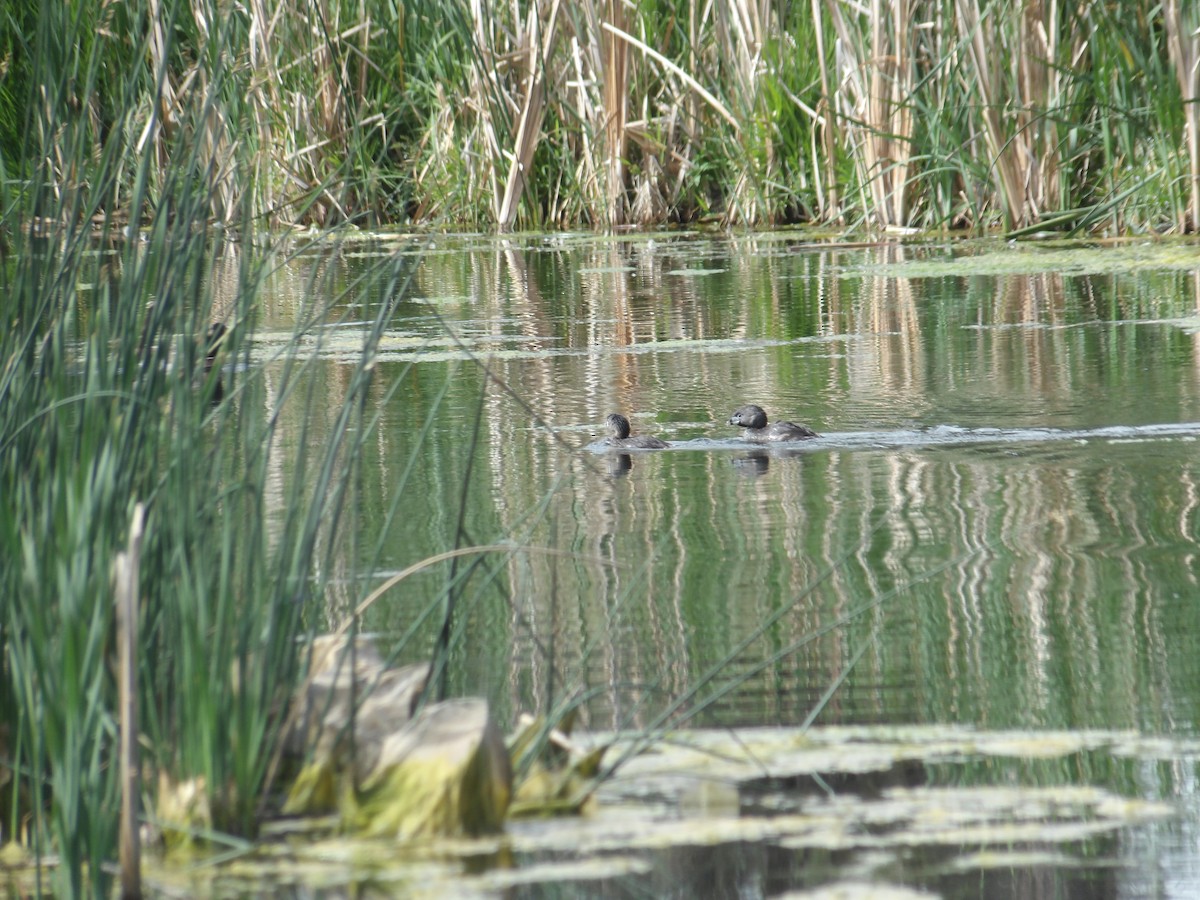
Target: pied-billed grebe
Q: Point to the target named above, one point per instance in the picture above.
(754, 420)
(618, 435)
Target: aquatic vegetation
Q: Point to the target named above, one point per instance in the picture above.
(113, 343)
(899, 115)
(900, 817)
(146, 150)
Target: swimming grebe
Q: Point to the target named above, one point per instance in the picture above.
(618, 435)
(754, 420)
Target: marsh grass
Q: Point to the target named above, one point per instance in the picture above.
(931, 113)
(105, 405)
(107, 401)
(894, 113)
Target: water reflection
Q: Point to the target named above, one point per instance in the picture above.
(619, 464)
(998, 527)
(753, 464)
(1006, 489)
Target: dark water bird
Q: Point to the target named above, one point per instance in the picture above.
(754, 420)
(212, 346)
(618, 435)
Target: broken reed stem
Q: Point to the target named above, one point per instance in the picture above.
(128, 565)
(687, 79)
(532, 112)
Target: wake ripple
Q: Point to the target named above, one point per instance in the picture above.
(940, 436)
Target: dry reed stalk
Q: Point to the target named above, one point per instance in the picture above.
(364, 50)
(690, 120)
(1037, 83)
(532, 111)
(1184, 48)
(603, 75)
(1008, 159)
(263, 96)
(649, 206)
(222, 167)
(586, 110)
(488, 95)
(159, 120)
(829, 207)
(873, 100)
(587, 64)
(687, 79)
(741, 29)
(172, 93)
(614, 71)
(329, 97)
(296, 131)
(678, 160)
(330, 104)
(1019, 118)
(1045, 66)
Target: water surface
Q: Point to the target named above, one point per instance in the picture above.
(998, 527)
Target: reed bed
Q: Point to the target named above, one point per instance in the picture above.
(456, 113)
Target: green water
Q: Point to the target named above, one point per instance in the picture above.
(1021, 578)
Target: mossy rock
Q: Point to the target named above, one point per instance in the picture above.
(182, 811)
(444, 772)
(559, 777)
(352, 681)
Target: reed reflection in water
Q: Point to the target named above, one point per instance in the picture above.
(1016, 583)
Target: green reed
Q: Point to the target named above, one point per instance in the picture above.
(107, 400)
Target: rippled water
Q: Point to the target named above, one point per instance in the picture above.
(998, 526)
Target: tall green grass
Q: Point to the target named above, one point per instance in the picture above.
(105, 402)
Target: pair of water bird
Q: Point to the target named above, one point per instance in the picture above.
(750, 417)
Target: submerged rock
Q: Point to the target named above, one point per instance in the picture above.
(441, 772)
